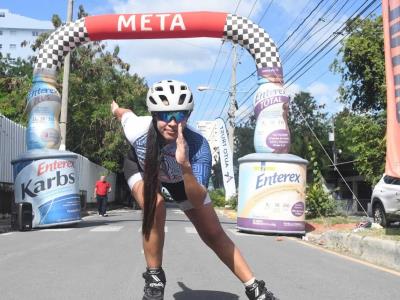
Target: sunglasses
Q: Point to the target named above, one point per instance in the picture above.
(167, 116)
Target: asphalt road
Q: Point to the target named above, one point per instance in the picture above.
(102, 258)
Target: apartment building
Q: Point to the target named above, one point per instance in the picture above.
(18, 33)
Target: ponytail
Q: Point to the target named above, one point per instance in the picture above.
(151, 183)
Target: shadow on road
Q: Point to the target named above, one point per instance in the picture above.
(187, 293)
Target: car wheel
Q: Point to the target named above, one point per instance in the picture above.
(379, 215)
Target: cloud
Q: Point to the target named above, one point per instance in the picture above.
(292, 7)
(166, 57)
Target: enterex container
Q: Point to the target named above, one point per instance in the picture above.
(272, 193)
(48, 180)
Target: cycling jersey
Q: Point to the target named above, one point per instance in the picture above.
(136, 129)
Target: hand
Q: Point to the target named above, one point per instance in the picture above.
(114, 107)
(182, 149)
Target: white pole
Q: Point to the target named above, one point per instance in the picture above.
(64, 97)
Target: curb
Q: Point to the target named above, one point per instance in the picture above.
(384, 253)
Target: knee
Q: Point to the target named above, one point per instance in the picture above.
(212, 237)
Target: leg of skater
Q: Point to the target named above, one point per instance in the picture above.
(211, 232)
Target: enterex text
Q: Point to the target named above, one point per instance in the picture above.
(55, 165)
(263, 180)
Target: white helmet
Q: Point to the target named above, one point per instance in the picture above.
(169, 95)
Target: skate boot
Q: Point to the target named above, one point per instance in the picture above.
(258, 291)
(154, 284)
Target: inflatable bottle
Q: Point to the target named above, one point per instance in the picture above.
(43, 107)
(271, 106)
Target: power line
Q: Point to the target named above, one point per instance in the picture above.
(297, 28)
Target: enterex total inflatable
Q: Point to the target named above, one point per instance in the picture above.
(270, 102)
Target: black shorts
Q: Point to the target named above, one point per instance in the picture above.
(134, 172)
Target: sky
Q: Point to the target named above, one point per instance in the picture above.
(298, 27)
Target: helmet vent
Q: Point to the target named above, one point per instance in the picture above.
(152, 100)
(182, 99)
(191, 99)
(183, 88)
(171, 87)
(159, 88)
(164, 100)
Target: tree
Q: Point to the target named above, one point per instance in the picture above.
(361, 64)
(97, 77)
(15, 82)
(308, 126)
(362, 138)
(244, 139)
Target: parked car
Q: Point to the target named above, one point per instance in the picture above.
(385, 200)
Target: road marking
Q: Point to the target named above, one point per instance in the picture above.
(165, 229)
(107, 228)
(7, 233)
(362, 262)
(190, 230)
(177, 211)
(56, 229)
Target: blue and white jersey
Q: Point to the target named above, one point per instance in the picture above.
(136, 129)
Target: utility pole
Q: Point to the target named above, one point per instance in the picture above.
(64, 97)
(232, 98)
(332, 140)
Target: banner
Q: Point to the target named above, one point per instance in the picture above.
(226, 158)
(391, 27)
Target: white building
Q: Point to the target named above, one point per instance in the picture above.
(209, 131)
(16, 30)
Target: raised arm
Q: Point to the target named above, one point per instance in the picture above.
(118, 111)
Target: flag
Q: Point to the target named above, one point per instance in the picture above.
(391, 28)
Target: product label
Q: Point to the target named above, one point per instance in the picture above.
(271, 109)
(51, 185)
(44, 103)
(271, 196)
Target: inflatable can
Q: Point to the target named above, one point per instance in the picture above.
(272, 193)
(48, 180)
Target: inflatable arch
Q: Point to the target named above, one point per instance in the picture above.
(44, 99)
(47, 178)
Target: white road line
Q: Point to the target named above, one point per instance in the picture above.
(7, 233)
(190, 230)
(55, 229)
(107, 228)
(177, 211)
(165, 229)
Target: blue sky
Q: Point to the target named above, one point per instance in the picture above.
(204, 61)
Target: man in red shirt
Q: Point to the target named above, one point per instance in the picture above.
(101, 190)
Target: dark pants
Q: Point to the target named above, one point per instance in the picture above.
(101, 204)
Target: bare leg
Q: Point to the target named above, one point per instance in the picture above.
(210, 230)
(153, 247)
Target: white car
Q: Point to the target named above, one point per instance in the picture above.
(385, 200)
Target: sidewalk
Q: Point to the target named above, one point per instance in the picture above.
(378, 251)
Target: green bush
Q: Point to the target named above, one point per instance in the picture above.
(218, 197)
(319, 203)
(233, 202)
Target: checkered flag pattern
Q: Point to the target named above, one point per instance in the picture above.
(254, 38)
(61, 42)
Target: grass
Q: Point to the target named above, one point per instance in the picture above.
(329, 221)
(390, 233)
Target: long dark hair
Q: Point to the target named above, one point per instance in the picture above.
(151, 184)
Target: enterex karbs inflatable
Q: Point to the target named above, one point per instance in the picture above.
(48, 180)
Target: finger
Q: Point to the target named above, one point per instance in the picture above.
(180, 130)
